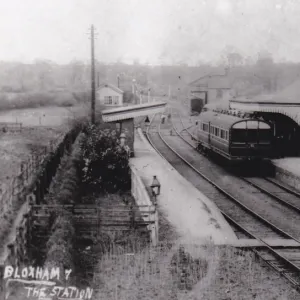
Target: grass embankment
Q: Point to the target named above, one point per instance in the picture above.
(33, 157)
(180, 269)
(63, 247)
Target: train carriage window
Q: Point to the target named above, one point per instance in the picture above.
(217, 131)
(226, 135)
(223, 134)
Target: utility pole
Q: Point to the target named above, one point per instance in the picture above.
(118, 80)
(93, 87)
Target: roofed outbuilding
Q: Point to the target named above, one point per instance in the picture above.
(211, 88)
(109, 95)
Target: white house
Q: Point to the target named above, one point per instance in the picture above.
(109, 95)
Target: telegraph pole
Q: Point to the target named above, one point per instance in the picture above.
(93, 86)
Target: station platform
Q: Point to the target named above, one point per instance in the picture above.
(288, 171)
(195, 217)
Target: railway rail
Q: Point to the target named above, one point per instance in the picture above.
(282, 194)
(245, 221)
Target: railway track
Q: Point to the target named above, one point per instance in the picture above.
(285, 196)
(245, 221)
(270, 206)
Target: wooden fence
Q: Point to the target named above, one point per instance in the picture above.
(20, 182)
(15, 253)
(31, 183)
(36, 174)
(92, 218)
(10, 126)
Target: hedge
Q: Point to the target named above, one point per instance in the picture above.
(64, 190)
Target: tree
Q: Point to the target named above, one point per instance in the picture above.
(44, 71)
(234, 59)
(266, 71)
(106, 161)
(76, 73)
(231, 57)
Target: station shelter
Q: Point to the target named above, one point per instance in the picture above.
(282, 110)
(122, 118)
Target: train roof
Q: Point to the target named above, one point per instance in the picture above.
(228, 121)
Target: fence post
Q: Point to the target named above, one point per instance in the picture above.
(11, 255)
(22, 174)
(22, 247)
(132, 216)
(27, 234)
(2, 281)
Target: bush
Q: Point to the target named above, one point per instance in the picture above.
(106, 162)
(60, 246)
(64, 190)
(65, 187)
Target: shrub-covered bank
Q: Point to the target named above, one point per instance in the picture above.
(64, 189)
(96, 167)
(106, 162)
(60, 246)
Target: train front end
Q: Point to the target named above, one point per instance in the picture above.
(251, 140)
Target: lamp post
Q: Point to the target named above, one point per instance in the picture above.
(122, 139)
(155, 187)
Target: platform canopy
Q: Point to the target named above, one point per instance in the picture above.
(132, 111)
(286, 102)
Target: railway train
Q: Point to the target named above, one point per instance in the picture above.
(234, 137)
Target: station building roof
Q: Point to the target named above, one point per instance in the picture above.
(212, 81)
(132, 111)
(286, 102)
(113, 87)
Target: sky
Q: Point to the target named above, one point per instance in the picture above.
(148, 31)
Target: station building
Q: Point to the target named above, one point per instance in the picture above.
(209, 89)
(109, 95)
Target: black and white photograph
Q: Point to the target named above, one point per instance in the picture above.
(149, 149)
